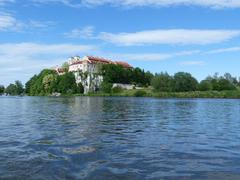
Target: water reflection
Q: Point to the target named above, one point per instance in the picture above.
(118, 138)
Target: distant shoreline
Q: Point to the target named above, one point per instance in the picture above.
(231, 94)
(234, 94)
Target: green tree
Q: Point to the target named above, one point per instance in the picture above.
(66, 83)
(184, 82)
(15, 89)
(205, 85)
(19, 87)
(80, 88)
(30, 83)
(42, 84)
(225, 84)
(118, 74)
(2, 89)
(49, 83)
(114, 74)
(11, 90)
(148, 78)
(162, 82)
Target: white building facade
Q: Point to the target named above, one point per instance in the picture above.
(87, 70)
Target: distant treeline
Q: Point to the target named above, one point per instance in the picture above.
(48, 82)
(163, 82)
(12, 89)
(184, 82)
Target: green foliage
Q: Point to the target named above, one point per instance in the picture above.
(184, 82)
(226, 82)
(106, 87)
(11, 90)
(180, 82)
(48, 82)
(66, 84)
(19, 87)
(162, 82)
(80, 88)
(2, 89)
(117, 89)
(140, 93)
(15, 89)
(30, 83)
(65, 66)
(42, 84)
(205, 85)
(148, 78)
(117, 74)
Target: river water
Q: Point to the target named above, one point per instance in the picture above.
(119, 138)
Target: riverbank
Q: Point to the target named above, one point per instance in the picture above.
(234, 94)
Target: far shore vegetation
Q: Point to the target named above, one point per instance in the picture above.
(146, 84)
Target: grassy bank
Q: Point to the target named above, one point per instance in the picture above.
(235, 94)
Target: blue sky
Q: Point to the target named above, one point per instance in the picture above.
(197, 36)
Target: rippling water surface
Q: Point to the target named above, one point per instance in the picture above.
(119, 138)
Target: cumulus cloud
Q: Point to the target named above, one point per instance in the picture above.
(22, 60)
(172, 36)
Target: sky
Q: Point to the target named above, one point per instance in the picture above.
(197, 36)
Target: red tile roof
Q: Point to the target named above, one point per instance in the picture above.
(76, 62)
(98, 59)
(124, 64)
(60, 70)
(95, 60)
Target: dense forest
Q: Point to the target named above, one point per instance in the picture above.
(48, 82)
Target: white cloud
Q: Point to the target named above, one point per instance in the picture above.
(172, 36)
(84, 33)
(69, 3)
(155, 3)
(150, 56)
(39, 24)
(165, 3)
(4, 2)
(223, 50)
(22, 60)
(192, 63)
(8, 22)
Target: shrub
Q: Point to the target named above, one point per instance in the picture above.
(106, 87)
(80, 88)
(140, 93)
(117, 89)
